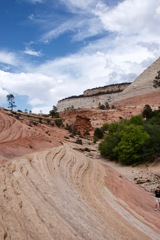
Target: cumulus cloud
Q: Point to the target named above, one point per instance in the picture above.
(34, 85)
(129, 17)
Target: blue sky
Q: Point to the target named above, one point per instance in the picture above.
(53, 49)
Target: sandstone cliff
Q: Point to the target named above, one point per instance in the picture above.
(143, 85)
(138, 93)
(92, 97)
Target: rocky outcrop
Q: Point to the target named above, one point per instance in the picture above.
(106, 89)
(82, 125)
(92, 97)
(85, 102)
(19, 137)
(142, 85)
(120, 94)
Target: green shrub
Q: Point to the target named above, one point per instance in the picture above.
(133, 141)
(98, 133)
(108, 145)
(147, 112)
(130, 148)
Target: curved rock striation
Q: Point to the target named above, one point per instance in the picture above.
(61, 194)
(18, 138)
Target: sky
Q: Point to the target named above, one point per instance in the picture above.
(53, 49)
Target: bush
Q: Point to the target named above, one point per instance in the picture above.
(133, 141)
(147, 112)
(130, 148)
(107, 146)
(98, 133)
(137, 120)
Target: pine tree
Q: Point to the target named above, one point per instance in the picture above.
(11, 102)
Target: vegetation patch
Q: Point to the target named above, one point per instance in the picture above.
(133, 141)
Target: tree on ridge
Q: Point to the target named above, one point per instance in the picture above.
(11, 102)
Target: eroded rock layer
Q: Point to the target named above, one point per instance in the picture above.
(21, 137)
(62, 194)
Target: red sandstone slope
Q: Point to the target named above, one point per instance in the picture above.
(60, 194)
(153, 99)
(19, 137)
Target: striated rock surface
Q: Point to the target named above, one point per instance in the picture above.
(62, 194)
(139, 101)
(92, 97)
(143, 84)
(140, 91)
(85, 102)
(106, 89)
(19, 137)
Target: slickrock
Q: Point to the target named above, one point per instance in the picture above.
(62, 194)
(142, 85)
(18, 138)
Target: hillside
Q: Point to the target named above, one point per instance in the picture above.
(138, 93)
(21, 136)
(54, 190)
(91, 98)
(143, 84)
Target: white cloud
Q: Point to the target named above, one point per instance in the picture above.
(32, 52)
(57, 31)
(8, 58)
(116, 57)
(83, 23)
(3, 94)
(130, 16)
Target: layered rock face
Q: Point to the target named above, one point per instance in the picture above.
(85, 102)
(105, 89)
(92, 97)
(143, 84)
(141, 91)
(20, 137)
